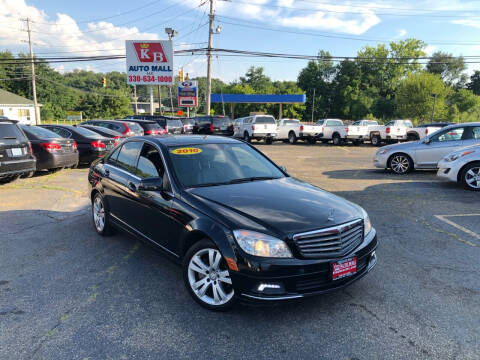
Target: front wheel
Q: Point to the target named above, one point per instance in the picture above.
(376, 140)
(470, 176)
(246, 137)
(336, 139)
(401, 164)
(206, 277)
(101, 215)
(292, 138)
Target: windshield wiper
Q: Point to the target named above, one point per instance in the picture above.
(253, 178)
(9, 137)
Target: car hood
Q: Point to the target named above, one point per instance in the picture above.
(401, 146)
(283, 206)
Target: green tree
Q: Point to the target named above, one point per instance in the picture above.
(415, 97)
(474, 83)
(449, 68)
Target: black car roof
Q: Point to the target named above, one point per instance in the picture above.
(5, 119)
(139, 121)
(172, 140)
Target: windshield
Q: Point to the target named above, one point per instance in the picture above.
(9, 130)
(87, 133)
(218, 121)
(217, 164)
(40, 133)
(151, 126)
(102, 130)
(135, 127)
(174, 123)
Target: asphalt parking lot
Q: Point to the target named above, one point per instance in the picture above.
(66, 293)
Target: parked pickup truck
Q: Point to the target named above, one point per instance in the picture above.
(360, 131)
(258, 127)
(332, 129)
(423, 130)
(393, 131)
(293, 130)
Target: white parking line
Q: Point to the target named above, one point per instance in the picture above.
(460, 227)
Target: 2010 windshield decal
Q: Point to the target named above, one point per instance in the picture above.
(186, 151)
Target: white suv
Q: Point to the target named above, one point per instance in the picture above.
(258, 127)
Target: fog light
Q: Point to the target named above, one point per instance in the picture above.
(372, 261)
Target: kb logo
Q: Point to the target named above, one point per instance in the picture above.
(150, 52)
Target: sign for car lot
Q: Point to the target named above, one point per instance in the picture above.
(149, 62)
(188, 94)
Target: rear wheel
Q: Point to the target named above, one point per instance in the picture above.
(357, 142)
(246, 137)
(470, 176)
(28, 175)
(312, 141)
(337, 140)
(400, 164)
(101, 215)
(292, 138)
(376, 140)
(268, 141)
(206, 277)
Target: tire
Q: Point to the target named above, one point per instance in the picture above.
(292, 138)
(470, 176)
(74, 166)
(324, 141)
(207, 278)
(400, 164)
(411, 137)
(357, 142)
(312, 141)
(246, 137)
(336, 139)
(376, 140)
(28, 175)
(101, 215)
(268, 141)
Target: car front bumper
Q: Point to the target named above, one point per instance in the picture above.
(15, 167)
(447, 170)
(298, 278)
(380, 161)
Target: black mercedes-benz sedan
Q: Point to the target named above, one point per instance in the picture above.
(241, 227)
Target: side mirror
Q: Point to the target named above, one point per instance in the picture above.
(427, 141)
(283, 168)
(151, 184)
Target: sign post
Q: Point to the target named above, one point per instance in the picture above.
(149, 62)
(188, 95)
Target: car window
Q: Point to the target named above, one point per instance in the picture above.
(476, 133)
(320, 122)
(127, 158)
(203, 120)
(9, 130)
(174, 123)
(205, 164)
(88, 133)
(62, 132)
(39, 132)
(112, 159)
(290, 122)
(357, 123)
(135, 127)
(390, 123)
(454, 134)
(371, 123)
(334, 123)
(264, 120)
(150, 163)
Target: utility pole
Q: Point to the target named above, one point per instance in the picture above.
(151, 100)
(434, 103)
(171, 99)
(313, 104)
(135, 98)
(34, 85)
(160, 100)
(209, 54)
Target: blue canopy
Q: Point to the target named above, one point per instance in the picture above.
(258, 98)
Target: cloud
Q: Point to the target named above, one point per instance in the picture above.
(468, 22)
(401, 33)
(430, 49)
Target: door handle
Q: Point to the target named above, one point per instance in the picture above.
(132, 186)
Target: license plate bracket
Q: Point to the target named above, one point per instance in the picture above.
(344, 268)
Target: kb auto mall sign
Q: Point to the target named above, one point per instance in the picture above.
(149, 62)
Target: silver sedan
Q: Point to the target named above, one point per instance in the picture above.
(426, 153)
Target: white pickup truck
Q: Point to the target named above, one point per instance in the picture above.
(420, 131)
(258, 127)
(293, 130)
(360, 131)
(393, 131)
(332, 129)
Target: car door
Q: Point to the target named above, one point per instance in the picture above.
(153, 213)
(119, 181)
(428, 154)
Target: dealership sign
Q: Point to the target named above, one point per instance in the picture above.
(188, 94)
(149, 62)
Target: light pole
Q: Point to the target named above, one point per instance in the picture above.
(171, 33)
(434, 103)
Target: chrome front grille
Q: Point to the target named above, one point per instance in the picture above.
(332, 242)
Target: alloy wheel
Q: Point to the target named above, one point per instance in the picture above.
(99, 214)
(472, 177)
(400, 164)
(209, 278)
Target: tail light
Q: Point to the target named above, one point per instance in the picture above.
(322, 128)
(98, 145)
(74, 146)
(426, 131)
(253, 127)
(30, 150)
(166, 128)
(51, 147)
(346, 129)
(116, 139)
(387, 130)
(212, 127)
(152, 132)
(301, 127)
(127, 130)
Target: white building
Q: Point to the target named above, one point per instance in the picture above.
(16, 107)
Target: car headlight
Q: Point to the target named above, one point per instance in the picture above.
(258, 244)
(383, 151)
(457, 155)
(367, 225)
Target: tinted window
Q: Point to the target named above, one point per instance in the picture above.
(264, 120)
(391, 123)
(9, 130)
(87, 133)
(187, 121)
(449, 135)
(197, 165)
(39, 132)
(371, 123)
(203, 120)
(320, 122)
(112, 159)
(217, 121)
(290, 122)
(135, 127)
(127, 158)
(476, 133)
(356, 123)
(174, 123)
(62, 132)
(334, 123)
(103, 131)
(150, 163)
(151, 126)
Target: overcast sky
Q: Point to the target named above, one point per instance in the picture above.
(89, 27)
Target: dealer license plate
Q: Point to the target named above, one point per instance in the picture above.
(16, 152)
(344, 268)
